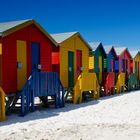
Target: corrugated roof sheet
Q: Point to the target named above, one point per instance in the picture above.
(60, 37)
(94, 45)
(108, 48)
(9, 27)
(119, 50)
(134, 53)
(4, 26)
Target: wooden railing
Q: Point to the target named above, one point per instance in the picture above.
(41, 84)
(85, 82)
(120, 85)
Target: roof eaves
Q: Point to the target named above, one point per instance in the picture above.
(69, 37)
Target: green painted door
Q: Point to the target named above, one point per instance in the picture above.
(70, 69)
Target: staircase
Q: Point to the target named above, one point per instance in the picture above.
(109, 84)
(85, 82)
(120, 85)
(132, 83)
(39, 84)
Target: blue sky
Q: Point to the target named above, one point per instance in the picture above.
(108, 21)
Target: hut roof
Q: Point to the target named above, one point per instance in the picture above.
(108, 48)
(120, 50)
(7, 28)
(61, 37)
(134, 53)
(94, 45)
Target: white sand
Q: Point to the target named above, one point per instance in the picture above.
(110, 118)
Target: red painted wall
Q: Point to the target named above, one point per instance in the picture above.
(9, 57)
(127, 57)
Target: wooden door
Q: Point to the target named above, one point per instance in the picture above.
(21, 64)
(70, 69)
(79, 62)
(35, 56)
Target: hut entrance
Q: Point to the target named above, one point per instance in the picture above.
(21, 64)
(70, 69)
(79, 62)
(35, 56)
(112, 65)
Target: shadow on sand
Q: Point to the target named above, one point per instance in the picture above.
(42, 113)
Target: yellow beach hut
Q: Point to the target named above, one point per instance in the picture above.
(136, 63)
(70, 58)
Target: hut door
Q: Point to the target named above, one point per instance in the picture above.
(123, 65)
(35, 56)
(70, 69)
(79, 62)
(112, 64)
(100, 63)
(100, 69)
(21, 64)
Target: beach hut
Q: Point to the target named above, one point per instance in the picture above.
(136, 63)
(124, 63)
(124, 67)
(111, 58)
(134, 78)
(109, 86)
(70, 58)
(26, 66)
(24, 47)
(99, 59)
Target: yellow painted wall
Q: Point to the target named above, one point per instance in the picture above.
(22, 58)
(136, 59)
(72, 44)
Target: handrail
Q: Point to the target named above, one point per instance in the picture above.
(27, 96)
(41, 84)
(2, 105)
